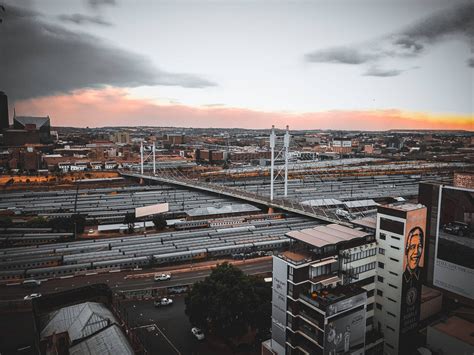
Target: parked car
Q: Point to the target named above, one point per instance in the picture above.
(457, 228)
(198, 333)
(163, 302)
(162, 277)
(33, 295)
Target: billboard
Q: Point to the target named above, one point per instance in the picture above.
(454, 262)
(344, 333)
(413, 262)
(151, 210)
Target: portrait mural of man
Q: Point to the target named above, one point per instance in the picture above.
(411, 280)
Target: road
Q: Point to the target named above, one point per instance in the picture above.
(126, 280)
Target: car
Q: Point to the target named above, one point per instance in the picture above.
(162, 277)
(457, 228)
(32, 296)
(31, 283)
(163, 302)
(91, 231)
(198, 333)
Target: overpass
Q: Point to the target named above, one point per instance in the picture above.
(321, 214)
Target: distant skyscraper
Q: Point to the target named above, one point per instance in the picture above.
(3, 111)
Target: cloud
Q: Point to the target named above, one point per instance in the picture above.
(376, 71)
(455, 22)
(344, 55)
(40, 59)
(80, 19)
(114, 107)
(470, 62)
(99, 3)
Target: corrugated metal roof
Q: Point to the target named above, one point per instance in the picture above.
(227, 209)
(322, 202)
(109, 341)
(321, 236)
(79, 320)
(360, 203)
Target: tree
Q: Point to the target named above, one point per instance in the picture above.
(230, 304)
(159, 221)
(78, 222)
(130, 220)
(37, 222)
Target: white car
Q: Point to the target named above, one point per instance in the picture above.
(163, 302)
(198, 333)
(33, 295)
(162, 277)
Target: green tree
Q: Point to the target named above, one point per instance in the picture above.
(78, 222)
(159, 221)
(230, 304)
(130, 220)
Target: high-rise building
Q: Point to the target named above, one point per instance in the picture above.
(4, 121)
(323, 293)
(400, 235)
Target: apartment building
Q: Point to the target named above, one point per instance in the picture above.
(400, 235)
(323, 293)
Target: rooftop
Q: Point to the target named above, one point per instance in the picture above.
(405, 207)
(457, 328)
(321, 236)
(110, 340)
(79, 320)
(206, 211)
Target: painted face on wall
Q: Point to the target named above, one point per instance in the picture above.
(414, 248)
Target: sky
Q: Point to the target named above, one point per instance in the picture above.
(322, 64)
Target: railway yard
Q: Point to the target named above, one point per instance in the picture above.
(216, 236)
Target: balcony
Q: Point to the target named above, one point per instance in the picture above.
(321, 300)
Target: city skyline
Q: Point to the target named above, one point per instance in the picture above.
(330, 65)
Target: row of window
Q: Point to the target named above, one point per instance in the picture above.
(364, 268)
(361, 255)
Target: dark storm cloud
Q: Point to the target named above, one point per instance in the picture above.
(80, 19)
(40, 59)
(470, 62)
(98, 3)
(456, 22)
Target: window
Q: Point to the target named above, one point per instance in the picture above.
(378, 305)
(381, 265)
(379, 278)
(393, 286)
(389, 327)
(370, 293)
(391, 299)
(390, 345)
(392, 226)
(391, 314)
(379, 293)
(393, 273)
(382, 251)
(396, 238)
(393, 259)
(370, 307)
(382, 236)
(369, 321)
(394, 247)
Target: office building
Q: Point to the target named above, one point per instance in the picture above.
(400, 235)
(323, 293)
(4, 121)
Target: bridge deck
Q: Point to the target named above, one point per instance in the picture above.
(279, 203)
